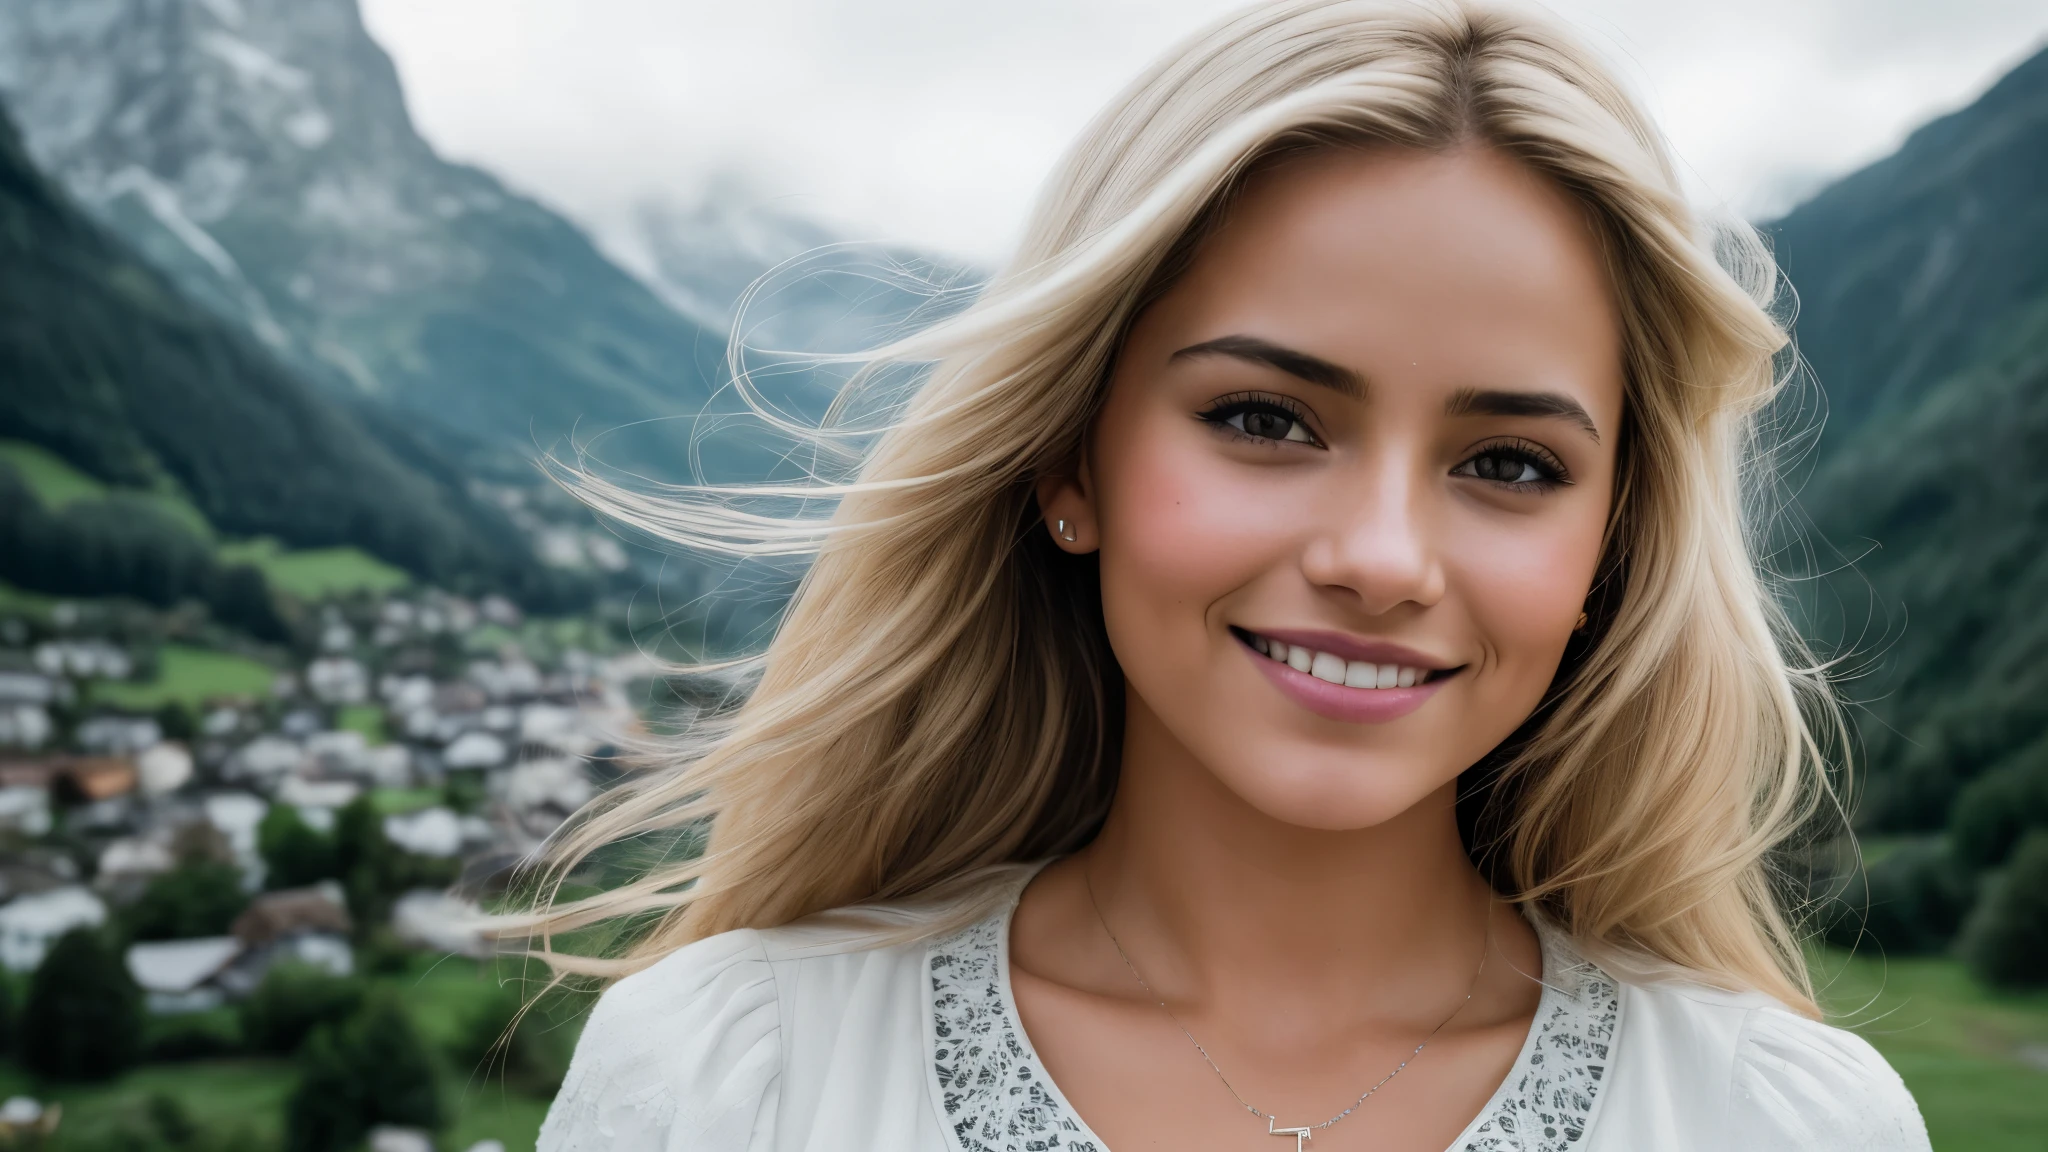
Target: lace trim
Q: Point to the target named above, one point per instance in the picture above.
(998, 1098)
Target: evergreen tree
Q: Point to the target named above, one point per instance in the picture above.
(2006, 942)
(83, 1018)
(197, 898)
(374, 1069)
(292, 1001)
(295, 854)
(373, 870)
(10, 1025)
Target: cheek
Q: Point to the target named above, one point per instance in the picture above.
(1181, 527)
(1525, 588)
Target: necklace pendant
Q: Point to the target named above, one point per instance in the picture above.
(1301, 1135)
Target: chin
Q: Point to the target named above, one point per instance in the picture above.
(1363, 792)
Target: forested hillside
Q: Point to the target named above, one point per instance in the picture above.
(113, 369)
(1923, 290)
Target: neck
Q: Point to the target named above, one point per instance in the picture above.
(1213, 897)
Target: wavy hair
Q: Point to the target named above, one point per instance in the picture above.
(939, 698)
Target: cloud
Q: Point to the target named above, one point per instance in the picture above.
(933, 121)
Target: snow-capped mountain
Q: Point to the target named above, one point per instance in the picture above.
(261, 152)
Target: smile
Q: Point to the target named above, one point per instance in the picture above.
(1342, 679)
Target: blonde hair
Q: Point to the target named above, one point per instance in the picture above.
(939, 697)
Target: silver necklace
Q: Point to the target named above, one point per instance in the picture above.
(1300, 1133)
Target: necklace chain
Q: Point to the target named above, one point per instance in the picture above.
(1487, 947)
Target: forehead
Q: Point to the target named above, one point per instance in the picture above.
(1463, 263)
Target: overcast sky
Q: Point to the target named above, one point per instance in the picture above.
(933, 121)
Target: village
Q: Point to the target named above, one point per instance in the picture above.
(378, 795)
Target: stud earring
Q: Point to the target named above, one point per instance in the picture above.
(1581, 625)
(1065, 532)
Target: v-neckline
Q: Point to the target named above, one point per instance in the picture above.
(995, 1095)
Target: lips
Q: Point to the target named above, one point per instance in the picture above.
(1345, 679)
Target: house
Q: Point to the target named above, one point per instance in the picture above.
(30, 924)
(435, 831)
(25, 809)
(24, 725)
(92, 779)
(275, 916)
(163, 768)
(236, 816)
(112, 734)
(264, 759)
(299, 925)
(183, 975)
(475, 750)
(34, 772)
(128, 864)
(26, 1122)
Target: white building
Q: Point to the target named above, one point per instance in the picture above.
(163, 768)
(179, 975)
(265, 759)
(427, 832)
(474, 750)
(338, 680)
(111, 735)
(30, 924)
(25, 809)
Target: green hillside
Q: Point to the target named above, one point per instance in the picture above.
(112, 371)
(1923, 292)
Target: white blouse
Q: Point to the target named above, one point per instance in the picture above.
(817, 1038)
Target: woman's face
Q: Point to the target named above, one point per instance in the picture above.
(1350, 481)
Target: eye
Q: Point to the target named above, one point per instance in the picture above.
(1261, 418)
(1516, 464)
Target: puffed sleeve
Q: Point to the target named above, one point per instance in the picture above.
(1800, 1084)
(682, 1056)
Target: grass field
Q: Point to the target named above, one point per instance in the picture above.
(367, 719)
(56, 483)
(309, 574)
(190, 676)
(315, 573)
(249, 1094)
(1976, 1060)
(394, 801)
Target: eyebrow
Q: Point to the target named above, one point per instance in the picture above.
(1301, 365)
(1555, 405)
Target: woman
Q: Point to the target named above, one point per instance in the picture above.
(1325, 546)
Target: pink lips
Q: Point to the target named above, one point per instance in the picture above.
(1351, 705)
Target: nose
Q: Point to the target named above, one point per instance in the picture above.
(1373, 544)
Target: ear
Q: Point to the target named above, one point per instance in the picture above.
(1067, 500)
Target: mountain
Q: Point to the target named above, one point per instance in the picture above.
(260, 152)
(1923, 290)
(813, 290)
(109, 366)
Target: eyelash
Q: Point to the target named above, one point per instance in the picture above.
(1226, 408)
(1553, 472)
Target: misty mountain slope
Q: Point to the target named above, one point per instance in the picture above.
(1923, 282)
(261, 153)
(813, 290)
(108, 365)
(1906, 268)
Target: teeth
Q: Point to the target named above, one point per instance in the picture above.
(1335, 669)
